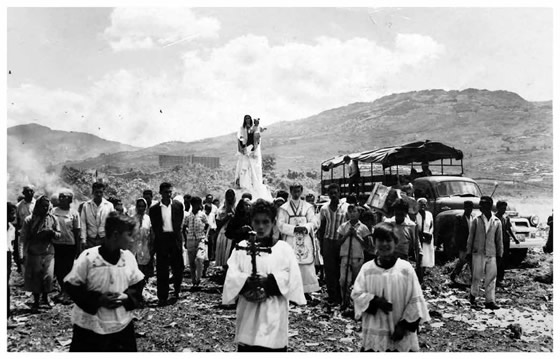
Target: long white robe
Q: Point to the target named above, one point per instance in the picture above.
(304, 216)
(399, 285)
(249, 169)
(428, 249)
(264, 324)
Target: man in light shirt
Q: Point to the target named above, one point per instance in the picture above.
(331, 216)
(485, 248)
(93, 216)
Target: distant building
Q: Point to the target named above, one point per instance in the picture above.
(172, 161)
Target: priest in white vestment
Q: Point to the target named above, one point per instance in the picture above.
(296, 223)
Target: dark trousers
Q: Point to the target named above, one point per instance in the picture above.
(548, 246)
(460, 263)
(354, 185)
(94, 242)
(503, 262)
(8, 281)
(16, 254)
(255, 348)
(84, 340)
(63, 261)
(331, 260)
(169, 254)
(211, 250)
(211, 244)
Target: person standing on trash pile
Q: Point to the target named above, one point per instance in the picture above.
(195, 226)
(143, 241)
(236, 230)
(67, 248)
(11, 237)
(461, 235)
(408, 246)
(331, 216)
(225, 214)
(262, 299)
(368, 218)
(24, 208)
(425, 223)
(296, 223)
(351, 237)
(38, 233)
(106, 285)
(211, 211)
(484, 248)
(167, 217)
(507, 236)
(92, 216)
(388, 297)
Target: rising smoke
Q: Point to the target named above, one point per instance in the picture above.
(26, 167)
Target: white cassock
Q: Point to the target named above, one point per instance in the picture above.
(264, 324)
(399, 285)
(300, 213)
(428, 249)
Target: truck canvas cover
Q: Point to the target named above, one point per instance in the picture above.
(399, 155)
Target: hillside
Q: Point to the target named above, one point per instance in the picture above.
(500, 133)
(32, 149)
(53, 146)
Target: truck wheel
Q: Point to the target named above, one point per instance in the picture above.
(516, 256)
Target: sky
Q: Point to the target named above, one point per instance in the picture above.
(143, 76)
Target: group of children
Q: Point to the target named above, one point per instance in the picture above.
(385, 290)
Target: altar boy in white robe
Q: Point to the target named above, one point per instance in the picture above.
(262, 306)
(388, 297)
(296, 222)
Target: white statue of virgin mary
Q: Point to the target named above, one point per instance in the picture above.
(248, 172)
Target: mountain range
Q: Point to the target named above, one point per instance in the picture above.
(501, 134)
(53, 146)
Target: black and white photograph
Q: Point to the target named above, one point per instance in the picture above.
(351, 177)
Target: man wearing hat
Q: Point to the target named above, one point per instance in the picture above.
(24, 208)
(296, 222)
(485, 247)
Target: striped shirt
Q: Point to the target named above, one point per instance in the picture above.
(195, 224)
(332, 220)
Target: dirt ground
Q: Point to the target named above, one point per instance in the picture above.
(198, 323)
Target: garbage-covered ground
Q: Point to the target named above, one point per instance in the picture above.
(198, 323)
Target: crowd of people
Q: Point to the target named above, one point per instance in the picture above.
(270, 253)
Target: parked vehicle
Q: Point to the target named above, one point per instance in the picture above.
(446, 189)
(527, 236)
